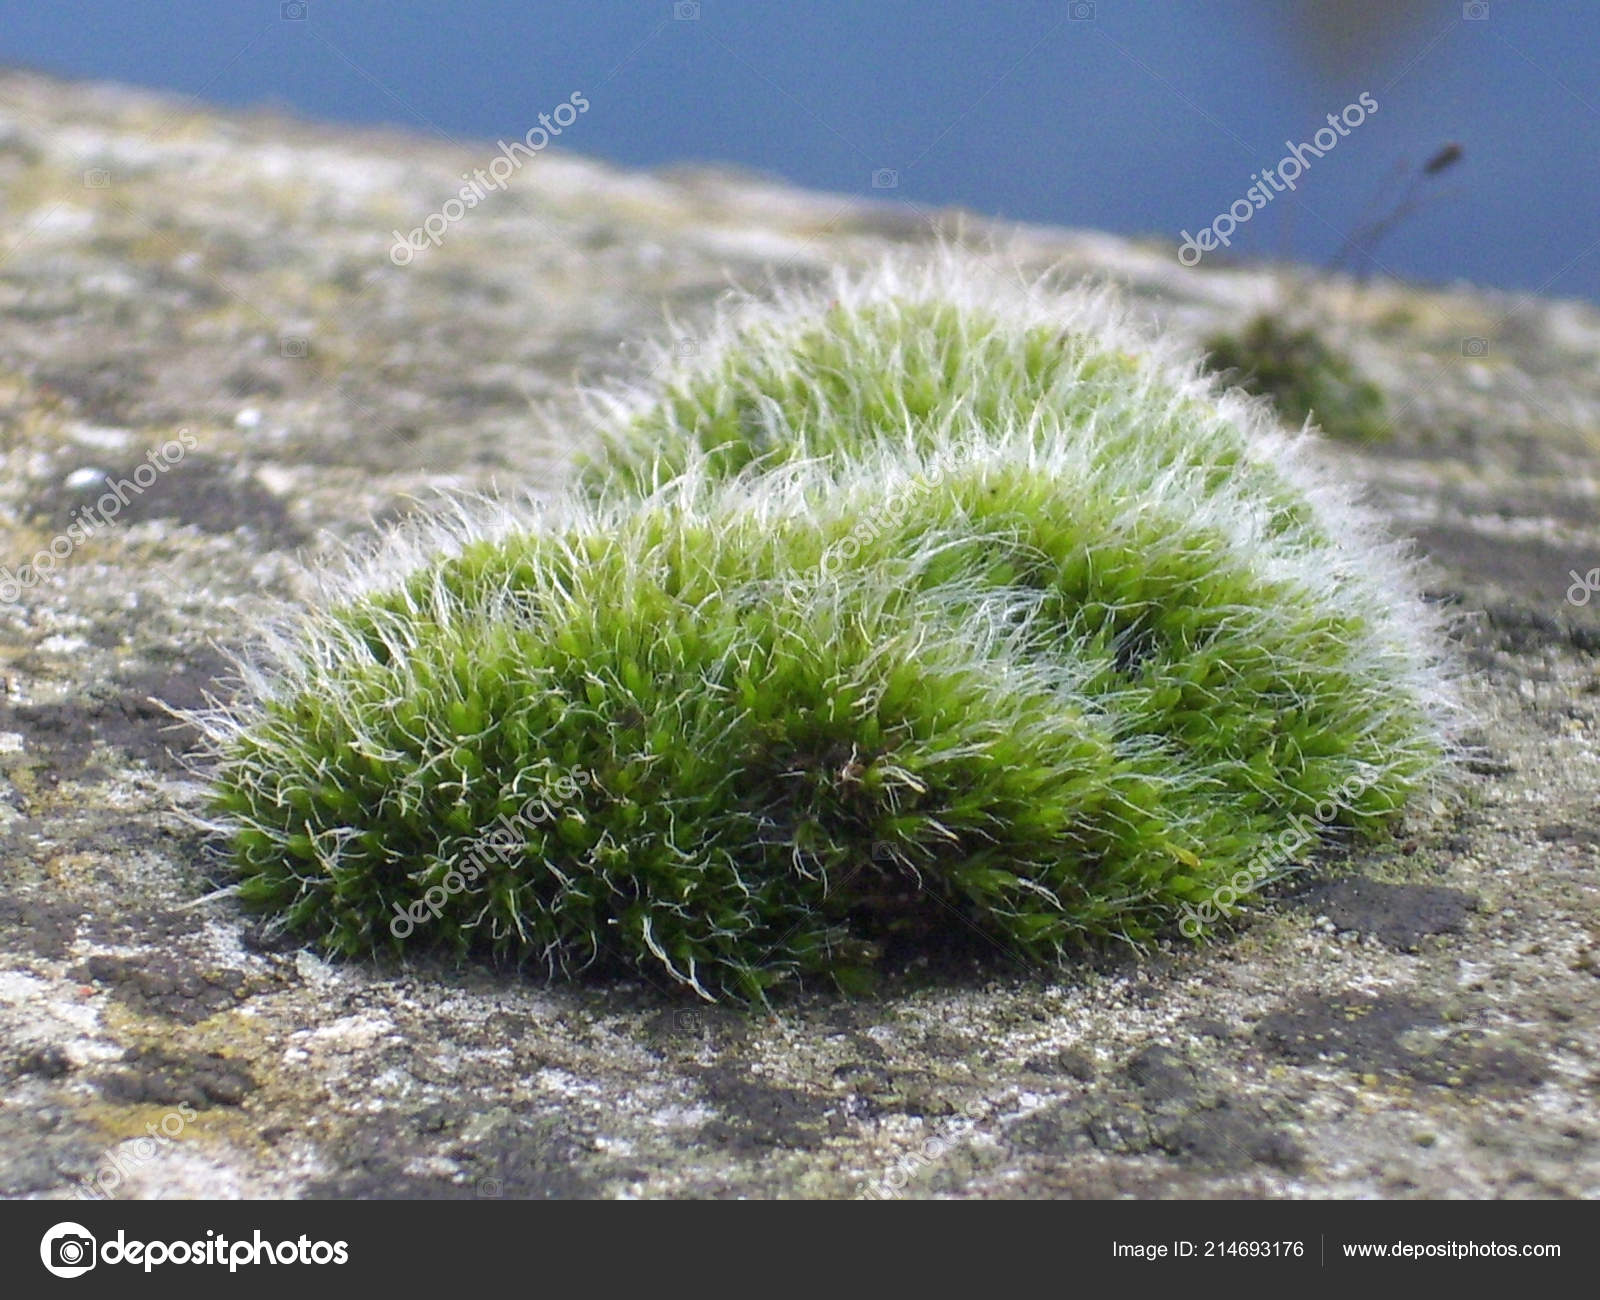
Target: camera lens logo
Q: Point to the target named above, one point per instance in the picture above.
(68, 1250)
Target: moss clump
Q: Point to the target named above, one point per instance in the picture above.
(914, 374)
(897, 615)
(1305, 377)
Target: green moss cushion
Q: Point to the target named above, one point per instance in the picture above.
(933, 605)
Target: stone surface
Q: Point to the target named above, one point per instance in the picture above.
(1399, 915)
(166, 269)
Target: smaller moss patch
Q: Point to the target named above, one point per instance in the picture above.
(1304, 376)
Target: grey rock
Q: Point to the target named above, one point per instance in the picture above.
(233, 280)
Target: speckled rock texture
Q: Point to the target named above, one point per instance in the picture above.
(1418, 1020)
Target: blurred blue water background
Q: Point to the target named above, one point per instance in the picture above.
(1136, 116)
